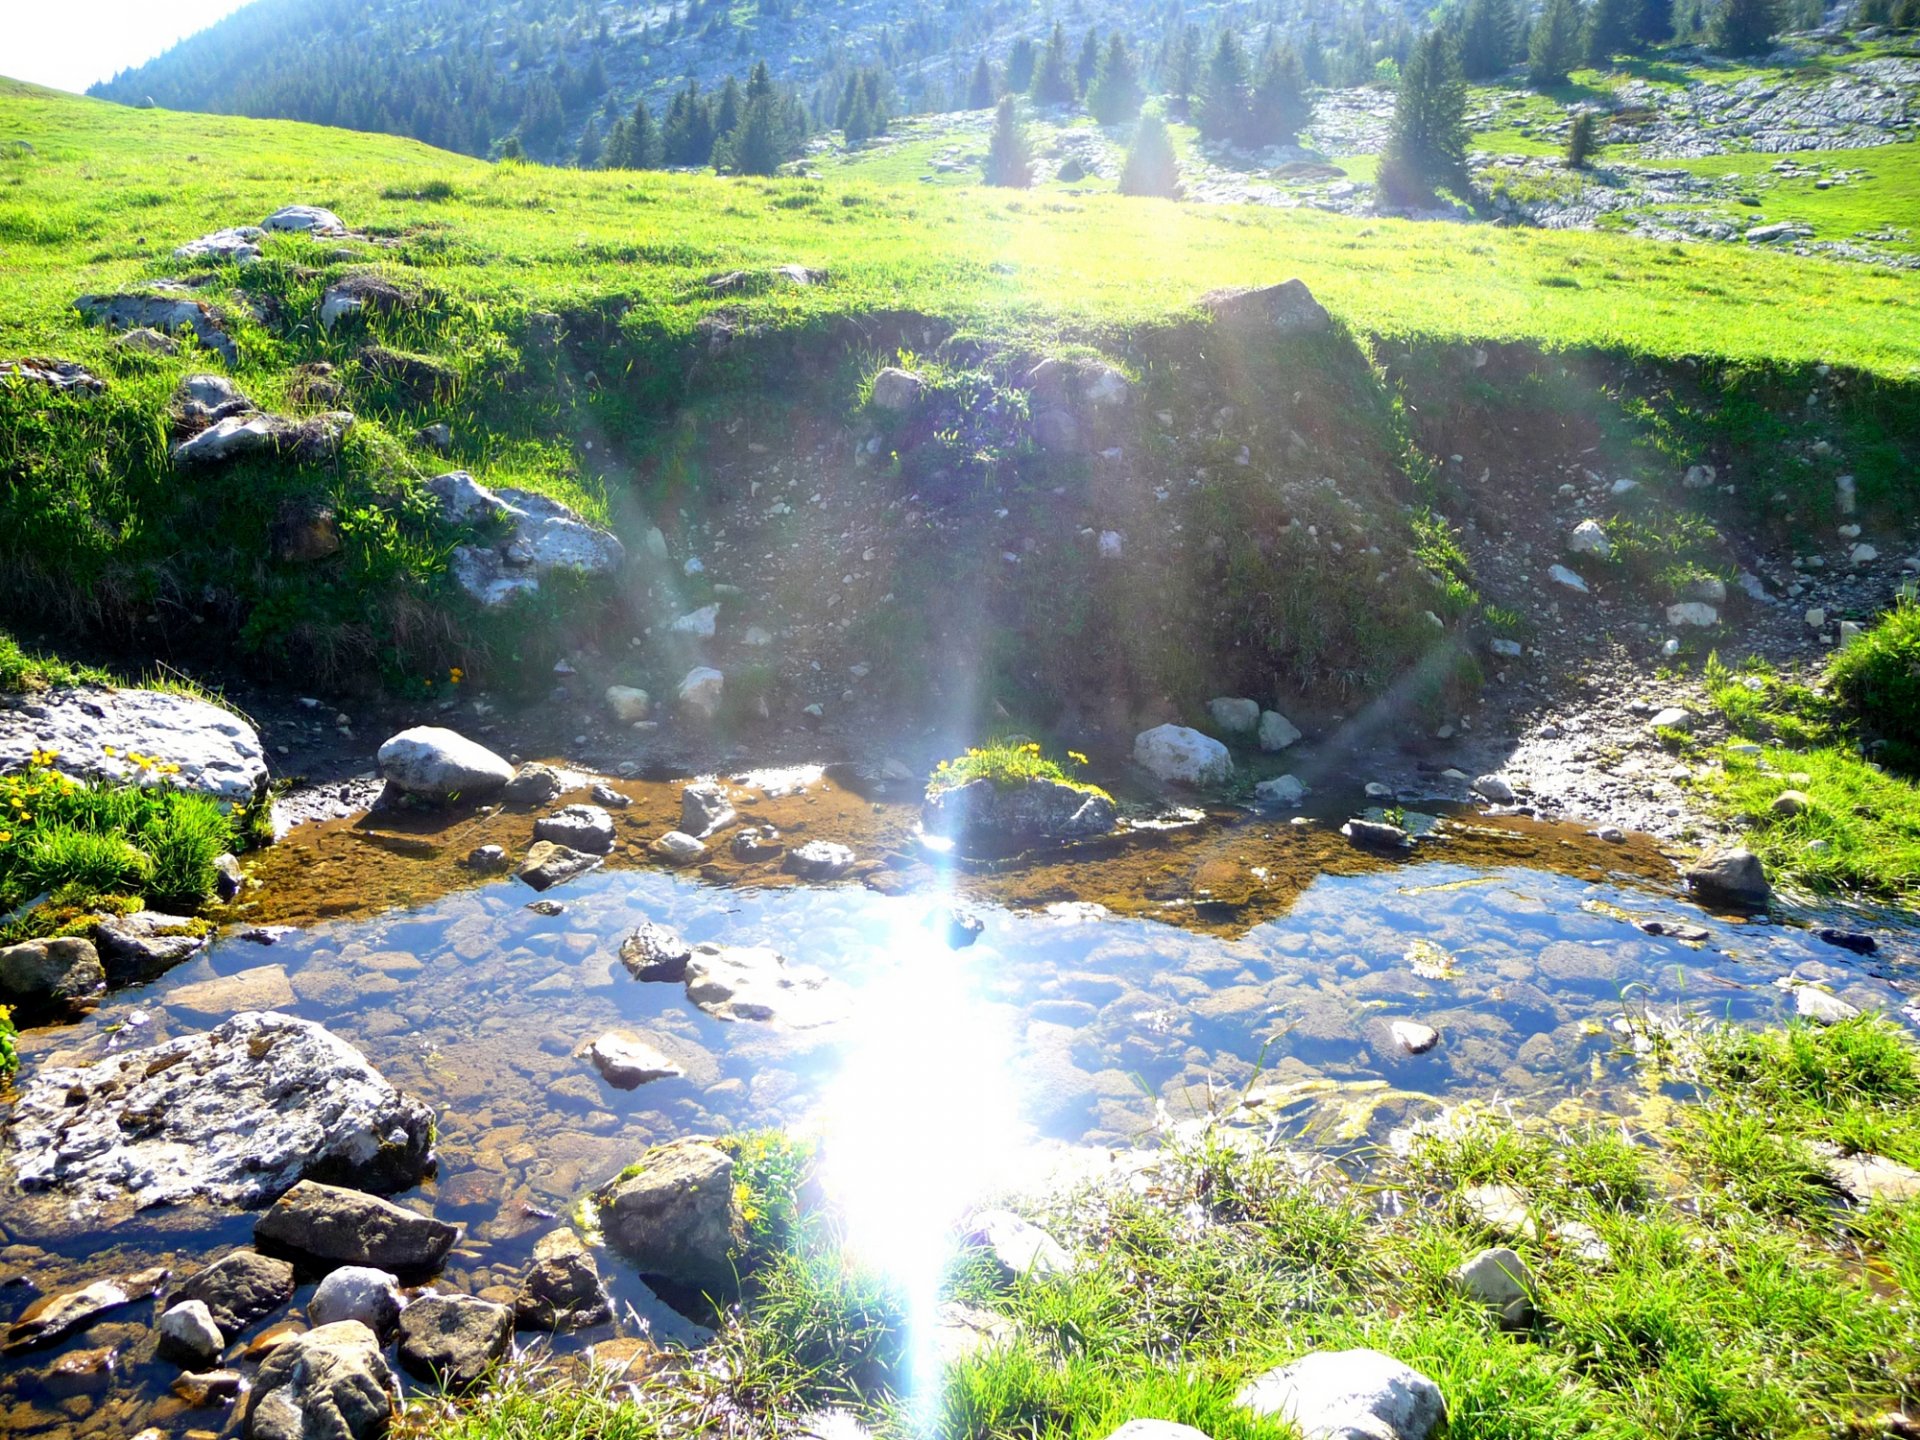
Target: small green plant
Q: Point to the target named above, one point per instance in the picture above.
(1583, 139)
(770, 1167)
(9, 1052)
(1006, 764)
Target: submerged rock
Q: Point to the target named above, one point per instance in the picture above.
(561, 1289)
(678, 1216)
(751, 982)
(627, 1062)
(1734, 878)
(1182, 755)
(1035, 811)
(818, 860)
(1349, 1395)
(330, 1383)
(438, 764)
(454, 1339)
(52, 1318)
(349, 1227)
(1283, 790)
(654, 952)
(239, 1288)
(235, 1115)
(95, 733)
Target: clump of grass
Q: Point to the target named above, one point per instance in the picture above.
(1877, 677)
(22, 672)
(9, 1052)
(1007, 763)
(770, 1169)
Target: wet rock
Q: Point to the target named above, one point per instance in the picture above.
(330, 1383)
(1375, 835)
(454, 1339)
(1413, 1037)
(1349, 1395)
(705, 808)
(441, 765)
(627, 1063)
(61, 375)
(265, 987)
(488, 859)
(1500, 1280)
(548, 864)
(818, 860)
(63, 976)
(534, 784)
(1675, 930)
(1017, 1248)
(740, 982)
(202, 1389)
(1181, 755)
(702, 691)
(1283, 791)
(95, 732)
(678, 1216)
(1815, 1004)
(603, 794)
(172, 314)
(1276, 732)
(676, 847)
(530, 537)
(896, 391)
(1851, 940)
(1868, 1177)
(757, 843)
(146, 943)
(653, 952)
(310, 438)
(962, 928)
(349, 1227)
(235, 1115)
(1234, 716)
(1494, 788)
(239, 1288)
(235, 246)
(52, 1318)
(358, 1292)
(1288, 307)
(229, 878)
(83, 1372)
(304, 220)
(1734, 878)
(187, 1335)
(627, 704)
(1033, 812)
(586, 828)
(561, 1289)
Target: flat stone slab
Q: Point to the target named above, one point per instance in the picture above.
(265, 987)
(99, 734)
(751, 982)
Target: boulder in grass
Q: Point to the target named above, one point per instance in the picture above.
(136, 737)
(1182, 755)
(1288, 307)
(1349, 1395)
(304, 220)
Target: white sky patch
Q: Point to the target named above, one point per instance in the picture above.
(71, 45)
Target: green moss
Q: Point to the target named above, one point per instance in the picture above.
(1007, 764)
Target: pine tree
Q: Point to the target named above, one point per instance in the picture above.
(726, 115)
(1486, 38)
(980, 87)
(1583, 138)
(1609, 30)
(1052, 82)
(1653, 25)
(1183, 76)
(1151, 168)
(641, 147)
(756, 146)
(615, 149)
(1221, 108)
(1088, 64)
(1555, 47)
(759, 83)
(586, 154)
(1744, 27)
(1009, 161)
(858, 128)
(1279, 109)
(1115, 95)
(1428, 143)
(1021, 60)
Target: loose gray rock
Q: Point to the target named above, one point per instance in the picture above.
(529, 537)
(304, 220)
(818, 860)
(330, 1383)
(627, 1062)
(1157, 1430)
(578, 827)
(1018, 1248)
(676, 847)
(1734, 878)
(1276, 732)
(146, 943)
(1349, 1395)
(1034, 812)
(549, 864)
(187, 1335)
(455, 1339)
(705, 808)
(349, 1227)
(896, 391)
(653, 952)
(439, 764)
(239, 1288)
(701, 692)
(677, 1216)
(1494, 788)
(172, 314)
(1812, 1003)
(1375, 835)
(63, 976)
(312, 438)
(534, 784)
(234, 1115)
(62, 375)
(358, 1292)
(627, 703)
(1182, 755)
(1234, 716)
(1283, 791)
(561, 1289)
(218, 753)
(237, 246)
(1500, 1280)
(1288, 307)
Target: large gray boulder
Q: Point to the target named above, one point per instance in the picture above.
(1733, 878)
(331, 1383)
(1036, 811)
(172, 313)
(1182, 755)
(1349, 1395)
(96, 733)
(561, 1289)
(61, 976)
(358, 1292)
(304, 220)
(239, 1288)
(528, 537)
(677, 1216)
(454, 1339)
(239, 245)
(312, 437)
(1288, 307)
(349, 1227)
(234, 1115)
(438, 764)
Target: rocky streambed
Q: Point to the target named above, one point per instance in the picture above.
(392, 1006)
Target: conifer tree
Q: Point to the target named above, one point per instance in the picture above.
(1279, 108)
(1183, 75)
(1744, 27)
(755, 148)
(1088, 63)
(1583, 138)
(1609, 30)
(1221, 107)
(726, 115)
(1021, 60)
(1053, 75)
(1427, 146)
(1009, 161)
(1116, 94)
(1653, 23)
(1486, 38)
(980, 87)
(1151, 167)
(1554, 48)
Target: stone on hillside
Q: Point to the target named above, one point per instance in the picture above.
(896, 390)
(1696, 613)
(751, 982)
(701, 691)
(350, 1227)
(1561, 575)
(1288, 307)
(52, 1318)
(1815, 1004)
(1862, 554)
(439, 764)
(1031, 812)
(818, 860)
(534, 784)
(626, 1062)
(234, 1115)
(653, 952)
(528, 537)
(628, 704)
(303, 532)
(186, 1335)
(146, 943)
(1505, 649)
(678, 1216)
(561, 1289)
(579, 827)
(144, 341)
(173, 314)
(1075, 403)
(1375, 835)
(95, 733)
(700, 624)
(549, 864)
(61, 375)
(62, 976)
(304, 220)
(330, 1383)
(1276, 732)
(202, 399)
(1589, 538)
(312, 438)
(1500, 1208)
(1349, 1395)
(961, 1331)
(455, 1339)
(1500, 1280)
(705, 807)
(676, 847)
(1234, 716)
(1018, 1248)
(358, 1292)
(1789, 803)
(236, 246)
(1494, 788)
(239, 1288)
(1284, 791)
(1182, 755)
(437, 436)
(355, 294)
(1734, 878)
